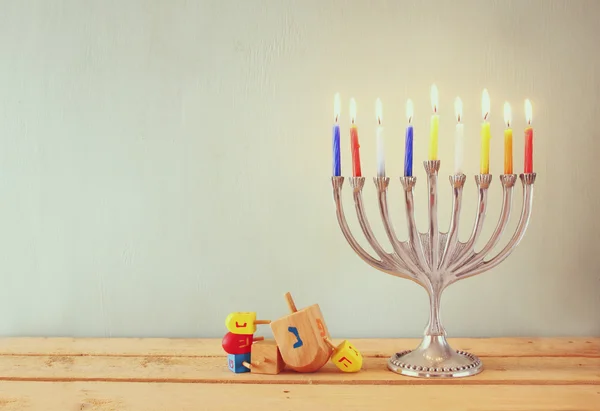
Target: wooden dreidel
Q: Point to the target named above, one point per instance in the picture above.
(266, 358)
(238, 343)
(235, 362)
(345, 356)
(299, 337)
(243, 322)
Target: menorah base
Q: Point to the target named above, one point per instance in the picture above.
(435, 359)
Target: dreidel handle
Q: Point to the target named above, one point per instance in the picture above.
(329, 343)
(290, 302)
(257, 322)
(247, 365)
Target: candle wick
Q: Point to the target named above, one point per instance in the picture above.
(410, 120)
(459, 118)
(486, 116)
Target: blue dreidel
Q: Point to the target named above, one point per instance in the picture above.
(235, 362)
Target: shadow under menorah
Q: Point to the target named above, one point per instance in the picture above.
(435, 259)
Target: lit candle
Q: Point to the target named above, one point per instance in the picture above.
(435, 121)
(459, 138)
(356, 172)
(379, 133)
(508, 141)
(485, 133)
(528, 139)
(337, 163)
(408, 149)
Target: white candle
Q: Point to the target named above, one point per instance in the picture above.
(458, 138)
(380, 149)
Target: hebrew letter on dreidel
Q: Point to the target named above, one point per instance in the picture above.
(298, 342)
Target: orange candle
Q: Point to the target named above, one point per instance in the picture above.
(528, 139)
(354, 145)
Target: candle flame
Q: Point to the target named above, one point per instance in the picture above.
(337, 105)
(485, 104)
(409, 110)
(528, 111)
(352, 110)
(458, 109)
(378, 110)
(507, 114)
(434, 98)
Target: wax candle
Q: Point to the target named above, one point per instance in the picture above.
(356, 172)
(485, 133)
(528, 139)
(337, 163)
(508, 141)
(408, 148)
(379, 134)
(433, 133)
(459, 137)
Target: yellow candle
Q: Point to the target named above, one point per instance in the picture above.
(485, 134)
(435, 121)
(508, 141)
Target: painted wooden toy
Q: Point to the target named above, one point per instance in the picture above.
(238, 362)
(345, 356)
(243, 322)
(239, 343)
(300, 338)
(266, 358)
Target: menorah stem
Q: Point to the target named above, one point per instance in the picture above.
(434, 327)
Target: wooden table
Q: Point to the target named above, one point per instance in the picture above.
(187, 374)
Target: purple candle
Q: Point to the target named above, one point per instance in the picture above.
(337, 162)
(408, 150)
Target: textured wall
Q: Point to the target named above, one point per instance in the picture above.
(164, 163)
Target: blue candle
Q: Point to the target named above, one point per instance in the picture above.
(337, 162)
(408, 150)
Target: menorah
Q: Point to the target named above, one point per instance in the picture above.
(435, 259)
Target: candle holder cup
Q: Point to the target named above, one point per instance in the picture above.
(435, 259)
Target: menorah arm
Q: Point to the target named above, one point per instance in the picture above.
(337, 183)
(457, 181)
(393, 260)
(483, 183)
(399, 247)
(414, 240)
(432, 167)
(527, 180)
(508, 182)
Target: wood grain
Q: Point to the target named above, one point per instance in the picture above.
(87, 396)
(172, 374)
(498, 370)
(182, 347)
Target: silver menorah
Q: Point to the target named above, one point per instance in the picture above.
(435, 259)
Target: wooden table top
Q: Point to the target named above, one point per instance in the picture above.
(542, 374)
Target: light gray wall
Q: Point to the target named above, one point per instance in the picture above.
(163, 163)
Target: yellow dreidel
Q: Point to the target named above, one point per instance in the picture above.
(345, 356)
(243, 322)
